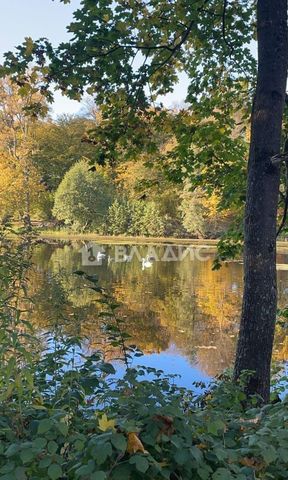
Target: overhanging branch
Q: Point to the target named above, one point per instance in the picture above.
(224, 14)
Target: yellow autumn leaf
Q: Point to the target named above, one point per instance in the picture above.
(134, 444)
(202, 446)
(105, 424)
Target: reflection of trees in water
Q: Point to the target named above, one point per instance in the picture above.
(181, 303)
(61, 298)
(218, 299)
(201, 310)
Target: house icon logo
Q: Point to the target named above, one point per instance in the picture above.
(92, 254)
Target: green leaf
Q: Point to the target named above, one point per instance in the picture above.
(98, 475)
(283, 454)
(141, 463)
(119, 442)
(204, 472)
(215, 426)
(52, 447)
(12, 450)
(79, 445)
(181, 456)
(20, 473)
(27, 455)
(44, 425)
(8, 476)
(45, 462)
(85, 470)
(269, 454)
(39, 443)
(54, 471)
(63, 428)
(222, 474)
(197, 454)
(107, 368)
(121, 472)
(8, 467)
(102, 452)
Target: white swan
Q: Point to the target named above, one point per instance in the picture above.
(146, 263)
(101, 255)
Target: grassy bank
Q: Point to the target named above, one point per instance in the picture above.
(282, 246)
(106, 239)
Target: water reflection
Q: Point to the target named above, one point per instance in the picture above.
(182, 314)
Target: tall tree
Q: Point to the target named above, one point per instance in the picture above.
(128, 53)
(260, 287)
(83, 197)
(60, 145)
(20, 187)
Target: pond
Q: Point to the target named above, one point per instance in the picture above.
(183, 315)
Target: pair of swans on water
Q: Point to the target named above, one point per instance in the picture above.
(147, 262)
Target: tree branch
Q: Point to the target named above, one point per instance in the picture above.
(225, 6)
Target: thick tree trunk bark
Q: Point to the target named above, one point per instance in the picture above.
(257, 327)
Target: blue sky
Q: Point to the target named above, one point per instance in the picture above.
(37, 18)
(45, 18)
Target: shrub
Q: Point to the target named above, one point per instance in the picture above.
(83, 198)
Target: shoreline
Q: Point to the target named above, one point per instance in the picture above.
(282, 246)
(129, 240)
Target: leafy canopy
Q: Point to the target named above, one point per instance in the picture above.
(128, 53)
(121, 46)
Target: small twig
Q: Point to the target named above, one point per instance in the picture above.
(279, 158)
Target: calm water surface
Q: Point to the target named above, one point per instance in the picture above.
(183, 315)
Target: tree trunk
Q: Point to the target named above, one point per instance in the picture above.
(254, 350)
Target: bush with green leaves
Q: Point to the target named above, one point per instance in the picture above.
(83, 198)
(85, 424)
(66, 415)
